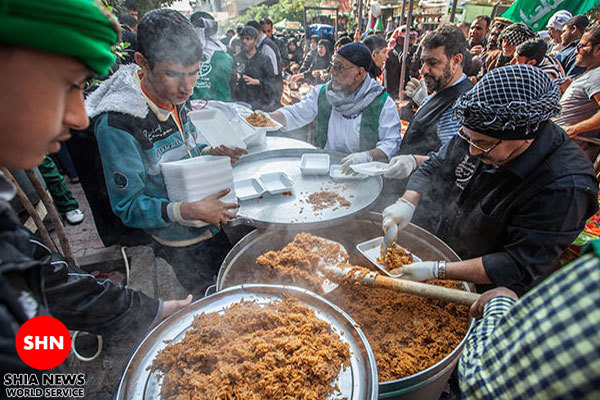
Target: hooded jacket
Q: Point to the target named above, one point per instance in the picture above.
(133, 141)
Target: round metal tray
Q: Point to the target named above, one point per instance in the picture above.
(282, 210)
(357, 382)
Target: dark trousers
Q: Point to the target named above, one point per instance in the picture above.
(61, 194)
(196, 266)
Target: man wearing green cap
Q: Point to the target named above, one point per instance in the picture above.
(49, 49)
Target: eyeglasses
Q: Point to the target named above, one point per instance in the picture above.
(341, 67)
(467, 139)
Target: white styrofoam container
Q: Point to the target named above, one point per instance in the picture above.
(314, 164)
(371, 249)
(372, 168)
(214, 127)
(247, 189)
(194, 179)
(276, 182)
(335, 172)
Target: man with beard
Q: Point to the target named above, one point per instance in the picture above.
(443, 57)
(571, 34)
(477, 34)
(580, 112)
(254, 73)
(555, 26)
(433, 125)
(513, 191)
(353, 112)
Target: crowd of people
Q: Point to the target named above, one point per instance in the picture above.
(490, 163)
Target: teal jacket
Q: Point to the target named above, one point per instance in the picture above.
(132, 143)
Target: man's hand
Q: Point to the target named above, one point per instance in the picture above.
(401, 167)
(416, 90)
(419, 271)
(355, 158)
(210, 209)
(316, 73)
(571, 131)
(295, 78)
(251, 81)
(357, 34)
(476, 50)
(564, 85)
(234, 153)
(170, 306)
(399, 213)
(477, 308)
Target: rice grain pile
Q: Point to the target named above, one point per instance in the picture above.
(407, 333)
(298, 261)
(277, 351)
(322, 200)
(395, 257)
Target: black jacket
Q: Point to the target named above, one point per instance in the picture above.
(520, 217)
(35, 281)
(258, 67)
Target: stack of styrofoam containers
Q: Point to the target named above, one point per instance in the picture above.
(196, 178)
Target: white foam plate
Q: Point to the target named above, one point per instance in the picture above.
(276, 182)
(371, 249)
(314, 164)
(216, 129)
(247, 189)
(335, 172)
(372, 168)
(276, 124)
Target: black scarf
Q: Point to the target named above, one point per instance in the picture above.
(421, 136)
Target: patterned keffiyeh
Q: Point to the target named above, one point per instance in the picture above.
(516, 34)
(509, 103)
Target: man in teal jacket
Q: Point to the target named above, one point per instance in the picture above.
(140, 116)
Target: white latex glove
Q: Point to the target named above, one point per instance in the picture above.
(401, 167)
(399, 213)
(419, 271)
(416, 90)
(355, 158)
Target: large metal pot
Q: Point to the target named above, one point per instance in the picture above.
(239, 267)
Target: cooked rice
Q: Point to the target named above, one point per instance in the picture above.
(277, 351)
(395, 257)
(407, 333)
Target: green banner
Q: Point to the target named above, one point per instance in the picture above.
(536, 13)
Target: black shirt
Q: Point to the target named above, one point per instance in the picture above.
(258, 67)
(519, 217)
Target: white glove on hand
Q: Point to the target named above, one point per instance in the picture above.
(419, 271)
(401, 167)
(416, 90)
(355, 158)
(399, 213)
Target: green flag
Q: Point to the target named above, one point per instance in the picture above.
(536, 13)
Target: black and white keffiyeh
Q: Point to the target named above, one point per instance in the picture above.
(516, 34)
(509, 103)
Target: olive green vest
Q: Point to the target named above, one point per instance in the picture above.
(369, 124)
